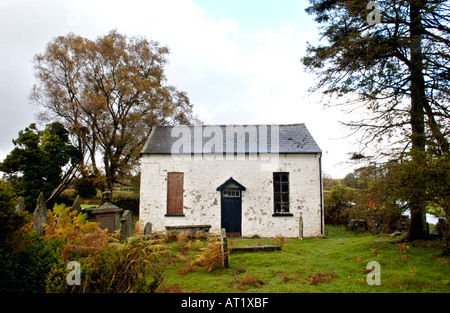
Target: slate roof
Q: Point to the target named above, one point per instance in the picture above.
(292, 138)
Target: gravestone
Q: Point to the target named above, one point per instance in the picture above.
(300, 227)
(148, 228)
(20, 205)
(357, 225)
(40, 214)
(193, 231)
(126, 225)
(106, 215)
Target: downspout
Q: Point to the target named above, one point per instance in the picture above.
(321, 195)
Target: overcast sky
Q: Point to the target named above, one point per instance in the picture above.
(238, 60)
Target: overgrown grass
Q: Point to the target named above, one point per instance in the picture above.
(333, 264)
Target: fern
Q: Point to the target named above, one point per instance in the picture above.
(212, 256)
(82, 236)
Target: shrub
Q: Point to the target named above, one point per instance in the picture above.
(31, 263)
(106, 266)
(10, 221)
(81, 236)
(280, 241)
(382, 216)
(85, 187)
(183, 242)
(136, 266)
(338, 204)
(25, 257)
(127, 201)
(26, 270)
(212, 256)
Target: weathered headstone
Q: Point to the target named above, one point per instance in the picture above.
(395, 234)
(193, 231)
(357, 225)
(20, 205)
(126, 225)
(148, 228)
(40, 215)
(300, 228)
(106, 215)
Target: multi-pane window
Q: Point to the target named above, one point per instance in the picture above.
(231, 193)
(281, 192)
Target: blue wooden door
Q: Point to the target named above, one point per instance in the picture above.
(232, 212)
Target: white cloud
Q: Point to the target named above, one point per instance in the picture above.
(230, 75)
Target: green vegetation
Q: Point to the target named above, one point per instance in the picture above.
(176, 263)
(383, 72)
(41, 161)
(168, 263)
(333, 264)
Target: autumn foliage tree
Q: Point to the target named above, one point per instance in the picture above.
(108, 92)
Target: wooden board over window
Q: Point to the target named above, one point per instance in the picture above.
(175, 193)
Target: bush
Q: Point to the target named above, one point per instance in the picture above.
(33, 263)
(381, 216)
(280, 241)
(10, 221)
(25, 257)
(81, 236)
(136, 266)
(27, 270)
(85, 188)
(106, 265)
(338, 204)
(212, 256)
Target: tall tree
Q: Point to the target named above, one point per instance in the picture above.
(40, 161)
(394, 55)
(108, 93)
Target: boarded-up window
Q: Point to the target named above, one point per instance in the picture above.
(281, 192)
(175, 193)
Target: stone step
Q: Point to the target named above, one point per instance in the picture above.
(256, 248)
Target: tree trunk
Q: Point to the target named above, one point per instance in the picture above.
(109, 170)
(418, 227)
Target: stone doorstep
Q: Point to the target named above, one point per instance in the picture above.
(256, 248)
(188, 226)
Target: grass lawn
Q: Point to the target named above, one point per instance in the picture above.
(334, 264)
(87, 206)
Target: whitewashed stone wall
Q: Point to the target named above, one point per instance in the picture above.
(202, 201)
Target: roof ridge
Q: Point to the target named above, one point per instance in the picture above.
(204, 125)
